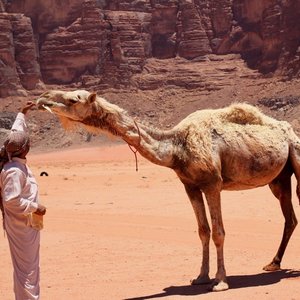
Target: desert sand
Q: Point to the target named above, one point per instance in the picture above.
(113, 233)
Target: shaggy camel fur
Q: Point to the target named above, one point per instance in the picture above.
(233, 148)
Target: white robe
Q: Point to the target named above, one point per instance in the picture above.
(20, 197)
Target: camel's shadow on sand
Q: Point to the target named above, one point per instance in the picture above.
(235, 282)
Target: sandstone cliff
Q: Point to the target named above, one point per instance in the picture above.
(101, 43)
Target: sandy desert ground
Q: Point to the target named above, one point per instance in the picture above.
(113, 233)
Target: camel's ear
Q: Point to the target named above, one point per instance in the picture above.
(92, 97)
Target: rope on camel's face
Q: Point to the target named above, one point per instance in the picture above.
(135, 150)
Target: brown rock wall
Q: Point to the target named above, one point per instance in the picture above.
(221, 17)
(164, 31)
(128, 48)
(78, 49)
(2, 6)
(9, 81)
(192, 38)
(128, 5)
(19, 68)
(47, 15)
(289, 60)
(25, 52)
(211, 74)
(107, 42)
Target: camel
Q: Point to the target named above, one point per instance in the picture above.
(232, 148)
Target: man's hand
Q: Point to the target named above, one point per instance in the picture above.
(41, 210)
(27, 107)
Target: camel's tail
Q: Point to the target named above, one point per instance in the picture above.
(295, 160)
(298, 183)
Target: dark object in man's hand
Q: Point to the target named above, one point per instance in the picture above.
(41, 210)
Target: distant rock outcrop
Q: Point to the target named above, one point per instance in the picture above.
(19, 68)
(80, 48)
(105, 43)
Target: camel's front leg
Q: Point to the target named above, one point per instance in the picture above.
(196, 198)
(213, 198)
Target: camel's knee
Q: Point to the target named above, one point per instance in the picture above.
(292, 223)
(218, 237)
(204, 233)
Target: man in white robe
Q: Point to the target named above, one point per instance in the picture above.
(19, 192)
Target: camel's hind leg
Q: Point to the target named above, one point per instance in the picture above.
(281, 188)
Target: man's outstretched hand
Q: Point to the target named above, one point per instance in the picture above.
(27, 107)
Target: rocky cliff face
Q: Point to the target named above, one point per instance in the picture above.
(106, 43)
(19, 68)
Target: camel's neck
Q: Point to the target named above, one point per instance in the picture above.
(155, 146)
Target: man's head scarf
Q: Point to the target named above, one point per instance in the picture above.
(16, 143)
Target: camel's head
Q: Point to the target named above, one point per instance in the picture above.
(74, 105)
(80, 107)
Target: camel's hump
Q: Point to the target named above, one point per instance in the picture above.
(242, 113)
(238, 113)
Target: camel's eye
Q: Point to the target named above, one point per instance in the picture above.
(73, 101)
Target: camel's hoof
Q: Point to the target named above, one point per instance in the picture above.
(272, 267)
(219, 286)
(201, 280)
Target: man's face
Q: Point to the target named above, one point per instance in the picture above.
(26, 150)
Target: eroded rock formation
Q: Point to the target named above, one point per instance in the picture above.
(19, 68)
(105, 43)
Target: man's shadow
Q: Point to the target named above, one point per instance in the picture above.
(235, 282)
